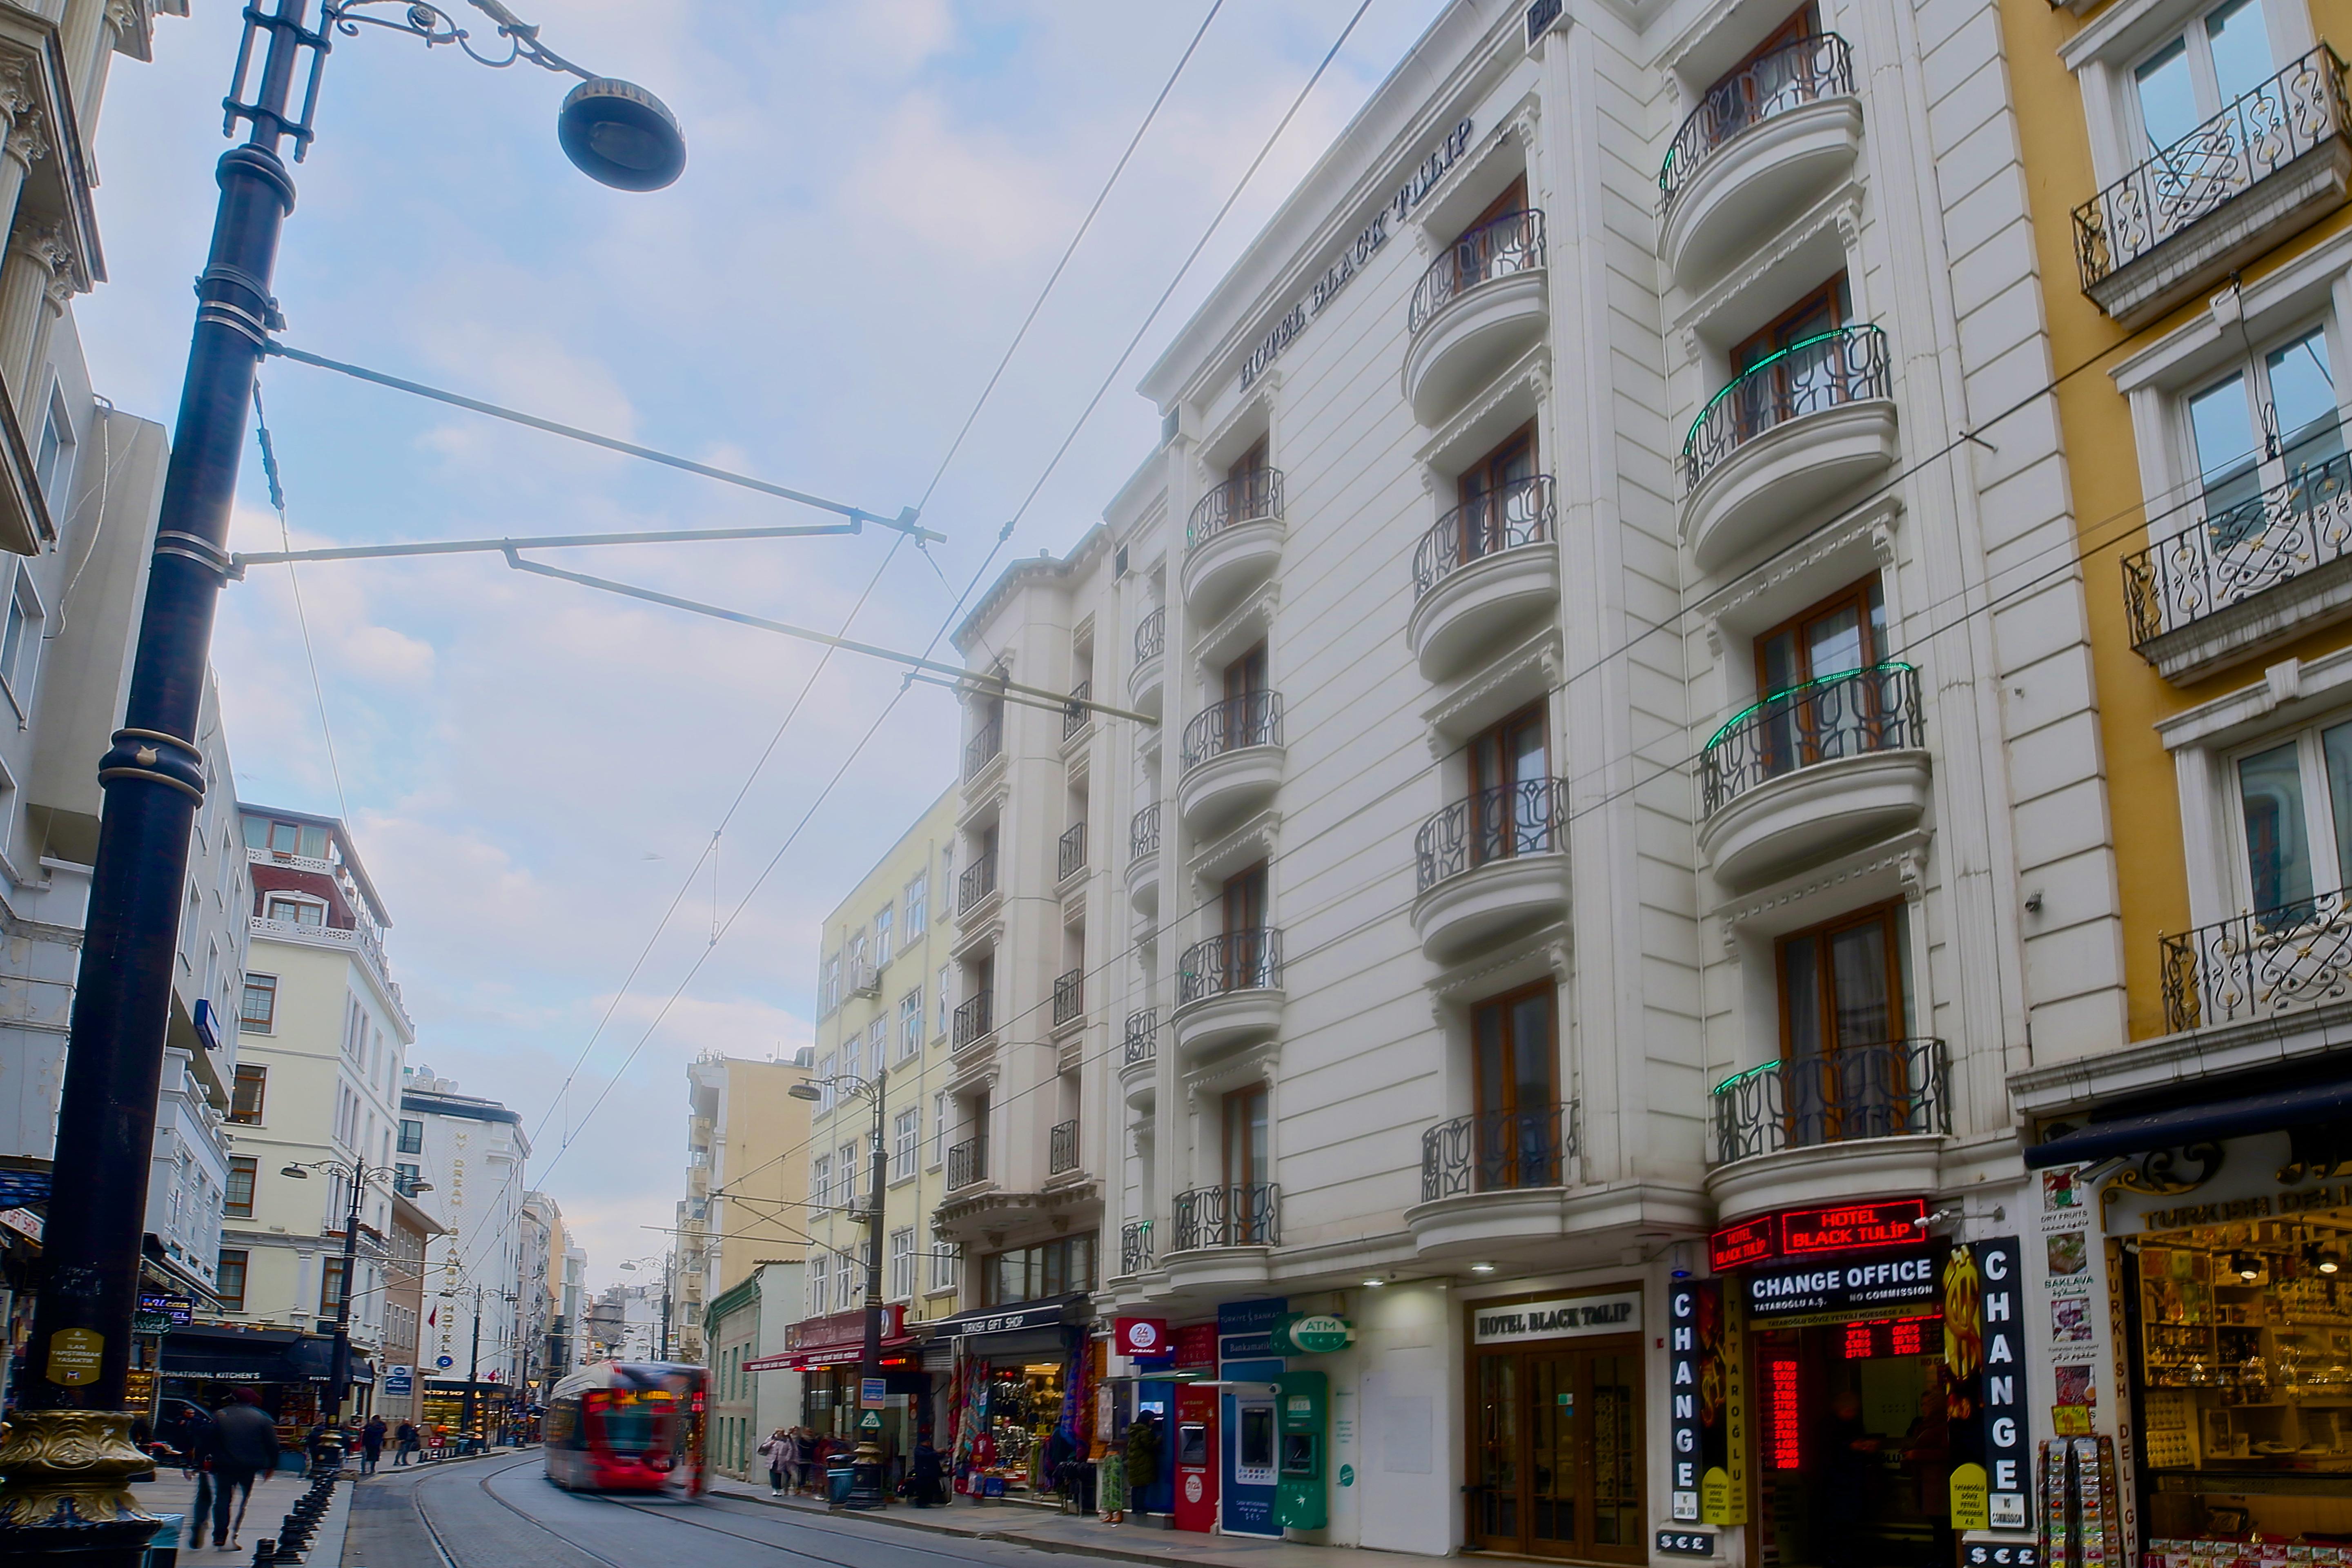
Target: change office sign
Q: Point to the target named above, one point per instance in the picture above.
(1892, 1282)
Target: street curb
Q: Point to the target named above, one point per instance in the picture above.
(1016, 1537)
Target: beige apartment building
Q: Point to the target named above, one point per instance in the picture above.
(746, 1186)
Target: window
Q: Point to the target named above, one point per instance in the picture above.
(258, 1014)
(1245, 1137)
(829, 984)
(945, 1261)
(404, 1178)
(947, 998)
(238, 1202)
(286, 838)
(296, 911)
(20, 648)
(842, 1288)
(882, 937)
(2295, 798)
(53, 465)
(1493, 492)
(939, 1127)
(228, 1278)
(1800, 361)
(1842, 985)
(2198, 72)
(1514, 1052)
(412, 1136)
(2270, 422)
(846, 1162)
(820, 1287)
(857, 954)
(910, 1023)
(1511, 808)
(1744, 95)
(852, 1057)
(1059, 1268)
(247, 1094)
(902, 1264)
(330, 1287)
(877, 1041)
(1843, 634)
(905, 1132)
(825, 1071)
(918, 905)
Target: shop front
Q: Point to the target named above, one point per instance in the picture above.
(286, 1370)
(1555, 1400)
(1022, 1374)
(829, 1353)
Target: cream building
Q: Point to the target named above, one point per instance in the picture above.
(746, 1186)
(472, 1150)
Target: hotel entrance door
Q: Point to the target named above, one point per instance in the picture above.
(1556, 1451)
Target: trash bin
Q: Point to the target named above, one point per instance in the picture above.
(838, 1479)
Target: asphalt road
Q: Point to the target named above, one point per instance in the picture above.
(502, 1513)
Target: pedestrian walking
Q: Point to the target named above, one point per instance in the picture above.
(1110, 1491)
(371, 1445)
(240, 1447)
(923, 1479)
(811, 1450)
(404, 1442)
(777, 1451)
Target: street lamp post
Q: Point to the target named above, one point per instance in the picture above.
(67, 1458)
(866, 1490)
(358, 1173)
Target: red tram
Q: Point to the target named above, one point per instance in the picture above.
(628, 1426)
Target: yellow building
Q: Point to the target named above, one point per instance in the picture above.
(746, 1184)
(2186, 165)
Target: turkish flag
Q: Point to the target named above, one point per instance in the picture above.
(434, 1320)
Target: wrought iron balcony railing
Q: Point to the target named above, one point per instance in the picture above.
(1529, 817)
(1073, 855)
(968, 1162)
(981, 748)
(1076, 716)
(1250, 497)
(1498, 1150)
(973, 1021)
(1142, 1034)
(1845, 365)
(2256, 136)
(1497, 248)
(1143, 832)
(1252, 719)
(1134, 1246)
(1151, 635)
(1062, 1148)
(1247, 1216)
(2255, 965)
(1883, 1090)
(2295, 526)
(1519, 514)
(976, 881)
(1247, 959)
(1069, 996)
(1794, 75)
(1848, 714)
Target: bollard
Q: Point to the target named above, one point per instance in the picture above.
(264, 1554)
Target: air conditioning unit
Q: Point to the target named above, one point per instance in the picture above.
(864, 980)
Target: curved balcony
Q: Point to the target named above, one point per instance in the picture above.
(1232, 759)
(1491, 866)
(1788, 436)
(1492, 1178)
(1836, 761)
(1139, 1050)
(1143, 859)
(1228, 990)
(1760, 146)
(1481, 574)
(1147, 674)
(1232, 543)
(1480, 306)
(1860, 1121)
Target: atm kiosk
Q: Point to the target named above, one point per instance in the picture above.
(1303, 1402)
(1195, 1444)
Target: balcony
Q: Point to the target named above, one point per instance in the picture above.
(1835, 763)
(1076, 715)
(973, 1022)
(1494, 1178)
(1071, 859)
(2256, 576)
(1858, 1122)
(975, 886)
(1479, 576)
(1482, 303)
(1491, 866)
(984, 748)
(2258, 965)
(967, 1164)
(1139, 1050)
(2175, 225)
(1761, 146)
(1134, 1247)
(1788, 436)
(1143, 858)
(1232, 759)
(1247, 1215)
(1070, 997)
(1062, 1148)
(1231, 543)
(1229, 989)
(1145, 677)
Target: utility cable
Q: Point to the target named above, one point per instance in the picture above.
(301, 618)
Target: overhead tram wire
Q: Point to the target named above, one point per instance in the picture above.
(302, 617)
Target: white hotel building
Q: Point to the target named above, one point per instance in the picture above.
(1625, 782)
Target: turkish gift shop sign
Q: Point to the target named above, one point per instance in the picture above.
(1359, 250)
(1829, 1289)
(1707, 1405)
(1562, 1318)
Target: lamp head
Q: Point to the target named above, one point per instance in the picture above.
(618, 134)
(297, 1171)
(805, 1091)
(419, 1185)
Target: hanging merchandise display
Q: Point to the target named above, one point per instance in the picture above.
(2081, 1519)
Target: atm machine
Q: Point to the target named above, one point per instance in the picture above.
(1303, 1402)
(1196, 1457)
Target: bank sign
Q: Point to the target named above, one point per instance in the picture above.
(1562, 1318)
(1903, 1280)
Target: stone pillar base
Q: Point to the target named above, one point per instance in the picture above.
(65, 1489)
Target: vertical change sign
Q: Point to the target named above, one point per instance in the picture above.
(1984, 1363)
(1707, 1427)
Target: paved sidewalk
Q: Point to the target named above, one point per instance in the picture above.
(1128, 1542)
(170, 1492)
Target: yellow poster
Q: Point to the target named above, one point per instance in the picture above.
(1971, 1498)
(74, 1355)
(1723, 1489)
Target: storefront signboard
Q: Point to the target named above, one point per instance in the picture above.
(1245, 1328)
(1829, 1289)
(1563, 1318)
(1142, 1336)
(1706, 1360)
(1683, 1357)
(24, 1221)
(1196, 1346)
(1313, 1333)
(1737, 1246)
(1985, 1359)
(2001, 1554)
(399, 1380)
(177, 1310)
(1853, 1228)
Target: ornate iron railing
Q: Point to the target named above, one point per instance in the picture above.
(1844, 365)
(1249, 960)
(2255, 965)
(1790, 76)
(1519, 514)
(2295, 526)
(1883, 1090)
(1248, 1216)
(1073, 855)
(1134, 1246)
(1142, 1034)
(1498, 1151)
(1076, 715)
(1143, 832)
(981, 748)
(1069, 996)
(1249, 497)
(1252, 719)
(1848, 714)
(1497, 248)
(968, 1162)
(973, 1021)
(1062, 1148)
(1528, 818)
(976, 881)
(1151, 635)
(2253, 138)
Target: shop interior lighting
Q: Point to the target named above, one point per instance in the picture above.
(2323, 1259)
(2246, 1266)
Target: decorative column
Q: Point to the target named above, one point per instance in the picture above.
(35, 279)
(23, 135)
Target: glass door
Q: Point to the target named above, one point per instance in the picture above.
(1553, 1466)
(1494, 1467)
(1556, 1470)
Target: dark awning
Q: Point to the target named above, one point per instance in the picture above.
(1009, 1319)
(2274, 1112)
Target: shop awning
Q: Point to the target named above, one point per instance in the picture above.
(836, 1340)
(1011, 1320)
(255, 1356)
(2280, 1109)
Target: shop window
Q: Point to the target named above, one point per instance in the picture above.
(2268, 429)
(237, 1203)
(1063, 1267)
(1845, 1070)
(228, 1278)
(2295, 804)
(258, 1013)
(1516, 1051)
(248, 1092)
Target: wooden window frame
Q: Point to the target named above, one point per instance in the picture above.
(222, 1265)
(1891, 915)
(259, 1078)
(1804, 22)
(248, 1167)
(1856, 594)
(1226, 1105)
(1834, 292)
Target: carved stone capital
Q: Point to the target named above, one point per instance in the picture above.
(46, 244)
(65, 1477)
(28, 138)
(19, 89)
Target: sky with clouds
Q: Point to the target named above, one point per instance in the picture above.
(876, 191)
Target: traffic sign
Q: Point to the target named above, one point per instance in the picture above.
(872, 1393)
(870, 1422)
(444, 1362)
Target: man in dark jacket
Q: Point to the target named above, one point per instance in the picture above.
(371, 1445)
(241, 1445)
